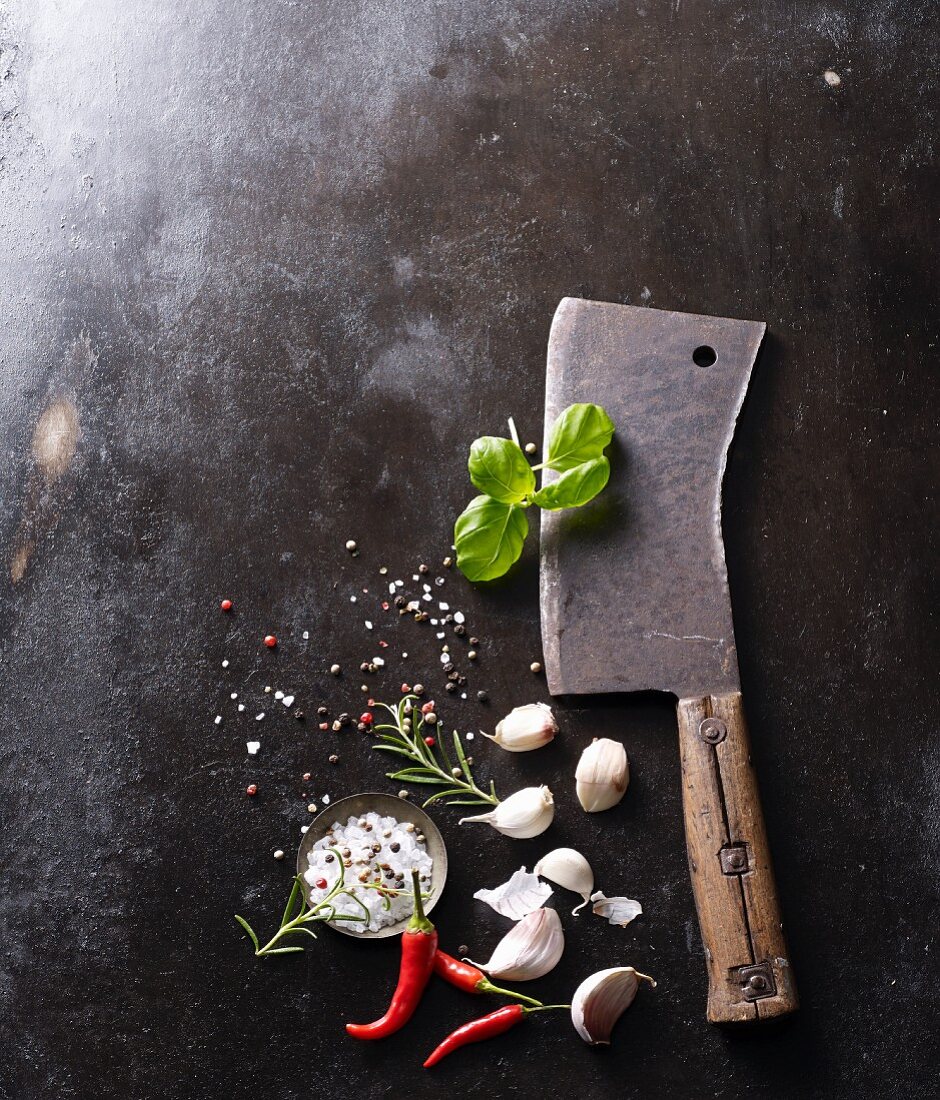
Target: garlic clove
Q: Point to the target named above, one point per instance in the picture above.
(525, 728)
(603, 775)
(529, 950)
(518, 897)
(569, 869)
(617, 910)
(525, 814)
(600, 1001)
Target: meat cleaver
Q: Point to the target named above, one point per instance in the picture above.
(634, 597)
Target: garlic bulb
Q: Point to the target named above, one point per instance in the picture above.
(529, 950)
(600, 1001)
(524, 814)
(568, 868)
(525, 728)
(602, 775)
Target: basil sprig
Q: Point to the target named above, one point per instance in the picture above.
(490, 532)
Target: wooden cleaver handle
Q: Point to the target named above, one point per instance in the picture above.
(749, 973)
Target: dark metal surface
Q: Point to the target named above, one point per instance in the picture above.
(267, 270)
(634, 587)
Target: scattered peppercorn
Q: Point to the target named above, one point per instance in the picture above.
(430, 742)
(460, 630)
(431, 719)
(474, 641)
(335, 669)
(404, 794)
(448, 562)
(366, 717)
(270, 641)
(405, 689)
(418, 689)
(450, 687)
(344, 719)
(278, 854)
(311, 807)
(351, 546)
(298, 715)
(535, 667)
(322, 711)
(226, 605)
(530, 448)
(471, 654)
(426, 708)
(483, 697)
(422, 568)
(306, 777)
(449, 667)
(334, 759)
(251, 789)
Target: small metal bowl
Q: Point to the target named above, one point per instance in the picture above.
(390, 805)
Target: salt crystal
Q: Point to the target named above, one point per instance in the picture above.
(368, 625)
(288, 700)
(442, 635)
(399, 584)
(383, 570)
(258, 717)
(241, 707)
(391, 589)
(234, 695)
(279, 695)
(427, 596)
(445, 657)
(459, 617)
(352, 599)
(444, 606)
(225, 664)
(404, 656)
(325, 800)
(306, 635)
(434, 622)
(379, 662)
(414, 576)
(252, 747)
(218, 719)
(469, 736)
(438, 581)
(463, 695)
(303, 829)
(426, 587)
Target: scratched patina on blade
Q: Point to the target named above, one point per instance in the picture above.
(634, 588)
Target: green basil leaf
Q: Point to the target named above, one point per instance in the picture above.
(575, 487)
(499, 468)
(578, 435)
(488, 536)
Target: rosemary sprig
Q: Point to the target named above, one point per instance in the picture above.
(325, 910)
(404, 736)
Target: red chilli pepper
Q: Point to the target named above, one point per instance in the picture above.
(471, 979)
(418, 946)
(476, 1030)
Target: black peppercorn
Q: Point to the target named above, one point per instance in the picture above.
(322, 711)
(449, 667)
(483, 697)
(400, 601)
(422, 568)
(474, 641)
(451, 687)
(460, 630)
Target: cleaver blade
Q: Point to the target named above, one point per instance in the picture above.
(634, 596)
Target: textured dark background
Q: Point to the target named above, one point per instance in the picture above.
(267, 270)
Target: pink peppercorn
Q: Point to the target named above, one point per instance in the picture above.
(270, 641)
(366, 718)
(226, 605)
(430, 742)
(251, 789)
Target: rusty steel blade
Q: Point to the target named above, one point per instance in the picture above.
(634, 589)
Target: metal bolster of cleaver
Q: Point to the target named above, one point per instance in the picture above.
(634, 597)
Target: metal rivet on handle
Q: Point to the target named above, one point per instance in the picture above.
(712, 731)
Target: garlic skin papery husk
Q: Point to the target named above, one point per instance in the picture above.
(569, 869)
(529, 950)
(617, 910)
(525, 728)
(600, 1001)
(603, 775)
(518, 897)
(524, 814)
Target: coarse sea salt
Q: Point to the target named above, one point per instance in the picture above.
(359, 840)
